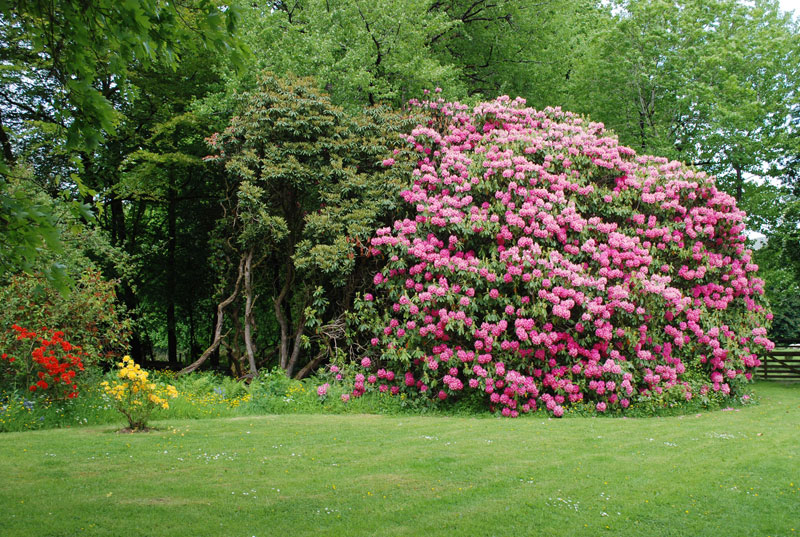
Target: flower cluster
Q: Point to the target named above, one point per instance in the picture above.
(544, 264)
(135, 396)
(52, 365)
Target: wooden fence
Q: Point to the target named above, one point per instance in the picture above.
(780, 364)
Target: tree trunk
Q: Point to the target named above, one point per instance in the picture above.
(236, 349)
(172, 239)
(215, 352)
(310, 366)
(8, 154)
(298, 335)
(282, 321)
(117, 223)
(248, 312)
(218, 330)
(192, 332)
(642, 131)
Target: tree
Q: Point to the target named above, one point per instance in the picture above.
(503, 47)
(64, 62)
(709, 83)
(360, 52)
(306, 190)
(67, 58)
(390, 51)
(27, 225)
(776, 216)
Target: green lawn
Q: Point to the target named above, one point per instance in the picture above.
(732, 473)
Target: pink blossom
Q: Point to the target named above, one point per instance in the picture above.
(630, 287)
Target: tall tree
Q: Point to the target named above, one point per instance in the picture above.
(63, 63)
(706, 82)
(66, 58)
(390, 51)
(508, 47)
(162, 199)
(360, 52)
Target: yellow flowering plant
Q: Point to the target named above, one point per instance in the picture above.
(135, 395)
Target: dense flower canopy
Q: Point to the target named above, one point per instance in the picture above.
(544, 264)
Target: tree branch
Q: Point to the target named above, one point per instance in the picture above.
(218, 330)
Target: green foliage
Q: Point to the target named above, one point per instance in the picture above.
(506, 47)
(774, 212)
(307, 188)
(359, 51)
(28, 226)
(273, 392)
(709, 83)
(90, 315)
(783, 292)
(65, 66)
(84, 52)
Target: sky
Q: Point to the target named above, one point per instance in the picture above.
(791, 5)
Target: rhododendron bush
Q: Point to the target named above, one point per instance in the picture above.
(544, 265)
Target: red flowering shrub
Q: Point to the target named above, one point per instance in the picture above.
(91, 314)
(49, 363)
(547, 265)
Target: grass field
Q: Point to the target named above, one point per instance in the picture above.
(732, 473)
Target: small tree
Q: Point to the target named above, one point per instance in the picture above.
(307, 188)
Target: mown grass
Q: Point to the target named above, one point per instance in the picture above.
(721, 473)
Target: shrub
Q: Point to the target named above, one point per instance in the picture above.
(135, 396)
(90, 314)
(41, 362)
(545, 264)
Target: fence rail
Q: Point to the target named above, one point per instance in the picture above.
(780, 364)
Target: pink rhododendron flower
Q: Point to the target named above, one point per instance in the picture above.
(542, 282)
